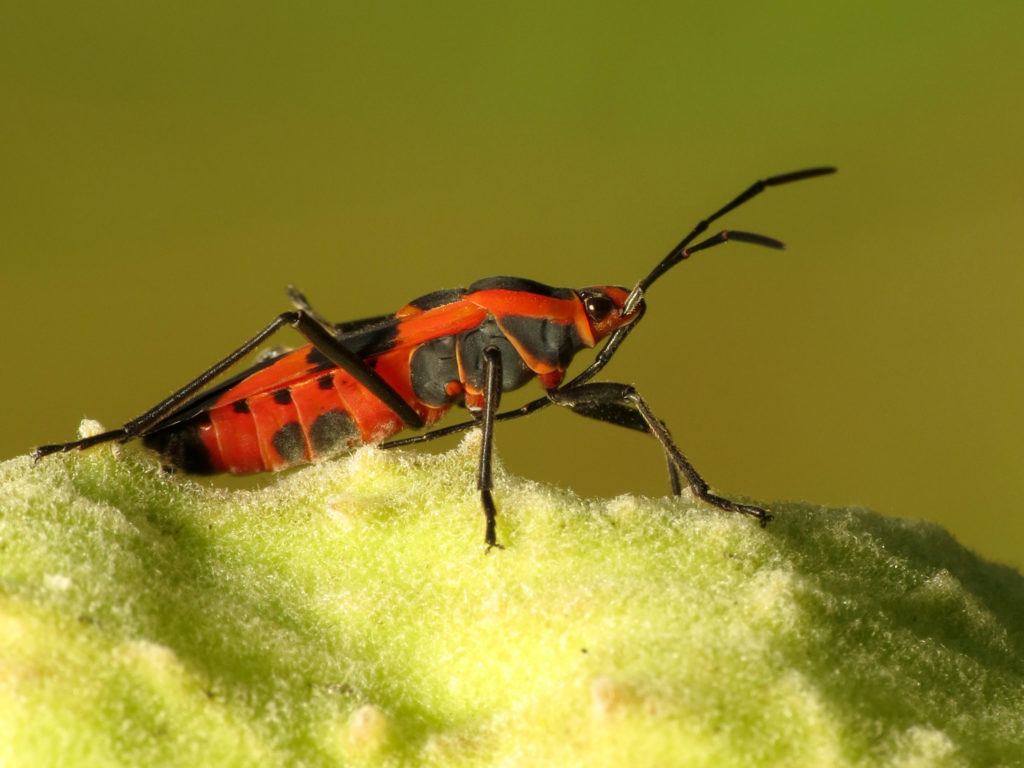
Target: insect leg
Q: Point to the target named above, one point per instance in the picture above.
(140, 425)
(356, 367)
(484, 481)
(322, 338)
(619, 414)
(454, 429)
(300, 302)
(598, 395)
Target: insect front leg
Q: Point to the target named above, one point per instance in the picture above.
(616, 413)
(613, 401)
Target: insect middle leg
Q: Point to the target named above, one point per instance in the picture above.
(484, 480)
(611, 413)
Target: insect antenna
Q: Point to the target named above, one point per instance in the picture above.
(682, 251)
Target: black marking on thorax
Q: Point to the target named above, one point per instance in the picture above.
(472, 343)
(549, 343)
(434, 363)
(431, 367)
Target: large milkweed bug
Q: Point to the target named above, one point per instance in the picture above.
(365, 381)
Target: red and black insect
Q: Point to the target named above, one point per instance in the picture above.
(367, 380)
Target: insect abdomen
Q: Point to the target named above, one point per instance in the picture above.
(312, 417)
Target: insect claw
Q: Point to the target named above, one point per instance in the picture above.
(762, 515)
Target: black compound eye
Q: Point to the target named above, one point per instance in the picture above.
(598, 307)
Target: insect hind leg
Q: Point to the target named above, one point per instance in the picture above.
(80, 444)
(322, 338)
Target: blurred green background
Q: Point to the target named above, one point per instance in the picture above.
(168, 168)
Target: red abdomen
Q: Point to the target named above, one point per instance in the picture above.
(289, 412)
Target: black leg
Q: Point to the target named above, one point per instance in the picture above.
(484, 482)
(322, 338)
(619, 414)
(355, 366)
(603, 394)
(611, 413)
(673, 475)
(300, 302)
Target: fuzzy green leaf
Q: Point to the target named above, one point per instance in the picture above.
(347, 614)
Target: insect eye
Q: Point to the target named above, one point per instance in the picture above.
(598, 307)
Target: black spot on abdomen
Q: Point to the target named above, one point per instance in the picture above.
(181, 448)
(330, 430)
(289, 442)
